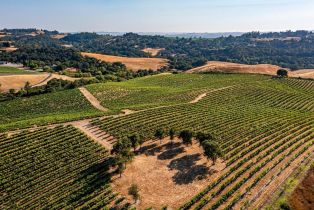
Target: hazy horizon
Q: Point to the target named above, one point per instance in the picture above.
(172, 16)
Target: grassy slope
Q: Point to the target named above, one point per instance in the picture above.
(161, 90)
(48, 108)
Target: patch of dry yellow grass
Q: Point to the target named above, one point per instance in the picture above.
(217, 66)
(134, 64)
(153, 51)
(17, 82)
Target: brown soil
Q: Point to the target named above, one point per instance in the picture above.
(153, 51)
(18, 81)
(94, 101)
(134, 64)
(302, 197)
(167, 174)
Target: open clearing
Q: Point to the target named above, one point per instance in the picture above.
(153, 51)
(134, 64)
(8, 49)
(167, 174)
(18, 81)
(227, 67)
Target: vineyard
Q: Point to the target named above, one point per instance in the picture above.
(56, 168)
(163, 90)
(48, 108)
(265, 128)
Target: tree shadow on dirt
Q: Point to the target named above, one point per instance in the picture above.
(187, 169)
(154, 149)
(171, 153)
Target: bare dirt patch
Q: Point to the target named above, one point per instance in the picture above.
(153, 51)
(134, 64)
(303, 196)
(167, 174)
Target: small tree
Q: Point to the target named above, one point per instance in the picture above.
(186, 137)
(212, 150)
(282, 73)
(172, 134)
(159, 134)
(201, 137)
(134, 192)
(121, 166)
(27, 87)
(134, 139)
(141, 140)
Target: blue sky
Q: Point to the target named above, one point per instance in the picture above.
(158, 15)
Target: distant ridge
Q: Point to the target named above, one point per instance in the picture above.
(181, 35)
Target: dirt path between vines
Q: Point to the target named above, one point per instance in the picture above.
(92, 99)
(93, 132)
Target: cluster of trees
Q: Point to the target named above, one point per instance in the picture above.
(211, 148)
(125, 148)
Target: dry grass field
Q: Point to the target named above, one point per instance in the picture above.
(304, 73)
(153, 51)
(218, 66)
(8, 49)
(133, 64)
(17, 82)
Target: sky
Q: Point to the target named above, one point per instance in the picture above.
(158, 15)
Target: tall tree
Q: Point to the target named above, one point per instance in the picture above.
(172, 134)
(212, 150)
(159, 134)
(134, 139)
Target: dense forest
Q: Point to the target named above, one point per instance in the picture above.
(294, 50)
